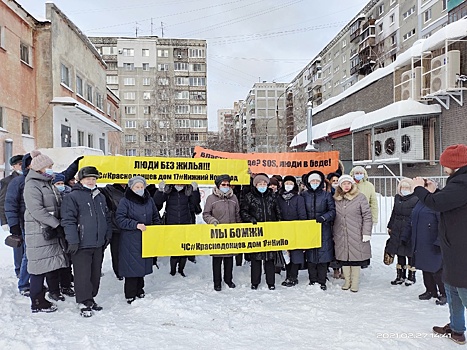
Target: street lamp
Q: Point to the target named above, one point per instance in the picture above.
(309, 129)
(267, 134)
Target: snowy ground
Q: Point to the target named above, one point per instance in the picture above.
(182, 313)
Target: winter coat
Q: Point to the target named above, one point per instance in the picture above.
(368, 189)
(319, 203)
(423, 235)
(42, 202)
(261, 207)
(113, 194)
(178, 204)
(3, 187)
(353, 220)
(131, 211)
(451, 202)
(398, 223)
(86, 218)
(223, 208)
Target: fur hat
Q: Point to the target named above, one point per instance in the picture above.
(16, 159)
(88, 171)
(58, 177)
(40, 161)
(134, 180)
(274, 181)
(260, 177)
(222, 178)
(345, 178)
(454, 157)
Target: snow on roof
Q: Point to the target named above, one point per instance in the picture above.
(392, 111)
(322, 130)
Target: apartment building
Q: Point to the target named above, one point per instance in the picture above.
(162, 86)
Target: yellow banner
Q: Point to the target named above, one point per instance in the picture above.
(179, 240)
(119, 169)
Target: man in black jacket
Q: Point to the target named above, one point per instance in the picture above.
(451, 202)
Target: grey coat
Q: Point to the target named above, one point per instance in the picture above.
(42, 203)
(353, 220)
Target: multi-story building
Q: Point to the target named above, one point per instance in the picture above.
(162, 86)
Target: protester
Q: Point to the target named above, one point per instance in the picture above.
(292, 207)
(274, 185)
(259, 205)
(43, 234)
(332, 181)
(360, 177)
(451, 202)
(222, 207)
(351, 231)
(88, 229)
(179, 200)
(134, 212)
(404, 202)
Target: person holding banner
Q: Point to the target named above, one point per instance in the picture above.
(260, 205)
(351, 231)
(134, 211)
(179, 200)
(222, 208)
(320, 206)
(292, 207)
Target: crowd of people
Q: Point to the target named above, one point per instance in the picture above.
(67, 224)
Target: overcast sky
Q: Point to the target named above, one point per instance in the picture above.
(248, 40)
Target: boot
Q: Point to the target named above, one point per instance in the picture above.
(442, 300)
(426, 296)
(40, 304)
(173, 266)
(400, 277)
(346, 272)
(355, 278)
(411, 278)
(458, 338)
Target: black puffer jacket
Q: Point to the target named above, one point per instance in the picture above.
(179, 205)
(260, 207)
(113, 194)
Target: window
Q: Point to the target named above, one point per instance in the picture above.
(146, 95)
(409, 12)
(162, 53)
(64, 75)
(196, 53)
(1, 37)
(128, 81)
(427, 15)
(129, 66)
(163, 152)
(198, 123)
(393, 39)
(130, 109)
(99, 100)
(182, 123)
(147, 124)
(130, 124)
(182, 137)
(1, 117)
(128, 52)
(146, 81)
(178, 66)
(182, 109)
(145, 52)
(381, 9)
(79, 85)
(146, 66)
(130, 138)
(198, 67)
(182, 95)
(198, 95)
(392, 18)
(146, 109)
(344, 43)
(129, 95)
(130, 152)
(109, 50)
(409, 34)
(112, 66)
(147, 152)
(444, 3)
(380, 28)
(164, 124)
(112, 79)
(344, 58)
(182, 81)
(163, 67)
(163, 81)
(162, 138)
(198, 109)
(90, 140)
(194, 137)
(24, 52)
(108, 109)
(89, 93)
(197, 81)
(80, 138)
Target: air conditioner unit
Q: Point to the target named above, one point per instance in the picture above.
(120, 51)
(411, 84)
(179, 56)
(443, 71)
(408, 148)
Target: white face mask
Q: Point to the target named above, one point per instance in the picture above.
(288, 188)
(89, 187)
(335, 185)
(178, 188)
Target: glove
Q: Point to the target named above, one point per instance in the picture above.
(320, 219)
(195, 185)
(6, 228)
(215, 222)
(161, 186)
(366, 238)
(72, 248)
(16, 230)
(78, 159)
(253, 221)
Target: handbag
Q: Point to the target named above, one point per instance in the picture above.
(388, 259)
(14, 241)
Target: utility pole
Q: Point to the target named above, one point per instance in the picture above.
(162, 29)
(152, 32)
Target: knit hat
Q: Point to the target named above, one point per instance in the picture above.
(345, 178)
(134, 180)
(314, 176)
(406, 181)
(222, 178)
(454, 157)
(260, 177)
(274, 181)
(40, 161)
(16, 159)
(58, 177)
(358, 169)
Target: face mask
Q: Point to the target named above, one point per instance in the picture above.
(405, 192)
(89, 187)
(314, 186)
(262, 189)
(60, 188)
(139, 192)
(335, 185)
(288, 188)
(224, 189)
(49, 171)
(359, 177)
(178, 188)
